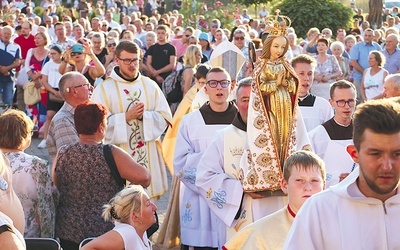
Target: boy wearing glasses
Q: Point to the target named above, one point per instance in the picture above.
(330, 139)
(199, 226)
(138, 114)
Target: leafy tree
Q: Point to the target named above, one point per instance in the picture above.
(252, 2)
(306, 14)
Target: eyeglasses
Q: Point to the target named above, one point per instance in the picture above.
(111, 45)
(239, 38)
(76, 53)
(214, 83)
(128, 61)
(342, 103)
(82, 85)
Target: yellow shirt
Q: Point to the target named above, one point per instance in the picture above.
(267, 233)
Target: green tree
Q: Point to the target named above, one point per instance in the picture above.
(306, 14)
(252, 2)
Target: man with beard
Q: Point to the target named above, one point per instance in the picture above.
(362, 211)
(138, 114)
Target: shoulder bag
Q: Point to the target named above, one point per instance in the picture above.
(31, 94)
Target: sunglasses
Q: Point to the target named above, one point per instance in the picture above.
(239, 38)
(214, 26)
(111, 45)
(76, 53)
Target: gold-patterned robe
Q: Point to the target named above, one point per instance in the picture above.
(271, 125)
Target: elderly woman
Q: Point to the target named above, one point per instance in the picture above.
(327, 70)
(296, 49)
(132, 213)
(85, 180)
(31, 179)
(374, 76)
(337, 49)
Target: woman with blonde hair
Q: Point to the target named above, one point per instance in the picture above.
(132, 213)
(191, 59)
(34, 61)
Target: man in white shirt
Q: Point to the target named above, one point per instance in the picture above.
(362, 211)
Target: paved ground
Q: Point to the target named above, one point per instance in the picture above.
(162, 203)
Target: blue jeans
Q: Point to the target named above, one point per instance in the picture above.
(7, 88)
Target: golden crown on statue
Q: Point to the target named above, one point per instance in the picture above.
(277, 25)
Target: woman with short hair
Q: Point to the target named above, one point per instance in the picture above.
(327, 70)
(85, 180)
(31, 178)
(374, 76)
(337, 49)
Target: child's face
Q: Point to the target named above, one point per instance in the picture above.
(301, 185)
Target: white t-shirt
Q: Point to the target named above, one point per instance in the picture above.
(132, 241)
(50, 69)
(5, 220)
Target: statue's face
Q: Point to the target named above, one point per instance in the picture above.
(278, 47)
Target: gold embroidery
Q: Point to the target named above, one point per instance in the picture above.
(264, 160)
(236, 151)
(209, 192)
(259, 122)
(261, 141)
(252, 177)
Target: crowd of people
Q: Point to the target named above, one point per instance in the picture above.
(264, 121)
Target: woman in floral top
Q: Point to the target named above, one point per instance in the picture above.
(31, 178)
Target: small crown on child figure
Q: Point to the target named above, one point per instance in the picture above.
(276, 27)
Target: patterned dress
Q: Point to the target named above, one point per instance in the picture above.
(85, 184)
(36, 191)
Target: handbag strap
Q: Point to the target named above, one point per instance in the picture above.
(113, 167)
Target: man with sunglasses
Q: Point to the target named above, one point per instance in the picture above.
(138, 114)
(75, 89)
(199, 226)
(182, 44)
(239, 39)
(330, 139)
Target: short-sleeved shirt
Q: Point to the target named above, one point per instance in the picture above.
(161, 54)
(8, 54)
(392, 64)
(50, 69)
(360, 53)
